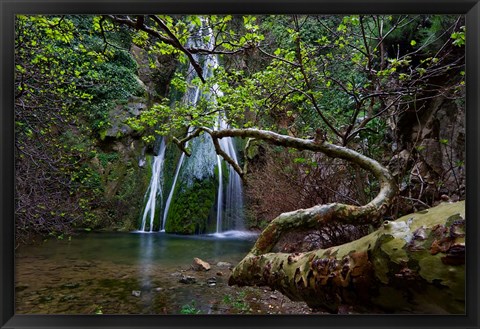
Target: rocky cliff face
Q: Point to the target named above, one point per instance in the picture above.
(429, 152)
(153, 75)
(122, 165)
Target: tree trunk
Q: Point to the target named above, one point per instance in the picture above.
(415, 264)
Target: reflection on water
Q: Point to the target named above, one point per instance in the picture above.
(145, 248)
(125, 273)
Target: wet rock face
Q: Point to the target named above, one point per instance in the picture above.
(193, 204)
(119, 115)
(153, 84)
(190, 209)
(156, 80)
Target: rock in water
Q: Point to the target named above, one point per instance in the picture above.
(187, 279)
(136, 293)
(200, 265)
(212, 281)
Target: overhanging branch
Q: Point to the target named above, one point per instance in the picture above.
(170, 40)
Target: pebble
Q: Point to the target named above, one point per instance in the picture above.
(136, 293)
(212, 281)
(187, 279)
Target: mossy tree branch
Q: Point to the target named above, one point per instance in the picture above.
(415, 264)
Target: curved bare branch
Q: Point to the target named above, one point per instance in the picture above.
(171, 40)
(318, 215)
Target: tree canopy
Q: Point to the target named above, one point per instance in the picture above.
(344, 87)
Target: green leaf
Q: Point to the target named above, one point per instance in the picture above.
(342, 28)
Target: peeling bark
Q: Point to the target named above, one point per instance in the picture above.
(415, 264)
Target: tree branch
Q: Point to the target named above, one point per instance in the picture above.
(181, 143)
(179, 46)
(365, 273)
(227, 158)
(320, 214)
(172, 40)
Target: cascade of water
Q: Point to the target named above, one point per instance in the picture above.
(201, 163)
(219, 195)
(230, 202)
(234, 194)
(191, 97)
(154, 189)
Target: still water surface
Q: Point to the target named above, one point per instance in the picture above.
(154, 248)
(126, 273)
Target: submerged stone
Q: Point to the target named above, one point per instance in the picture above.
(71, 285)
(136, 293)
(212, 281)
(187, 279)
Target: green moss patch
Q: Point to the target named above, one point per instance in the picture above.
(190, 209)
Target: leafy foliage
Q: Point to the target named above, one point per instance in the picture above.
(189, 309)
(341, 79)
(65, 86)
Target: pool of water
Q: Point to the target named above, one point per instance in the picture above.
(152, 248)
(126, 273)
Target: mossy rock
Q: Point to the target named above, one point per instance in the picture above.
(190, 210)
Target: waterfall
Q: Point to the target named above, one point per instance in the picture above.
(230, 202)
(154, 189)
(234, 196)
(201, 163)
(219, 195)
(191, 97)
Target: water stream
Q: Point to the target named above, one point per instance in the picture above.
(200, 165)
(129, 273)
(154, 191)
(172, 190)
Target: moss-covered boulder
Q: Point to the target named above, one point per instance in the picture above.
(191, 208)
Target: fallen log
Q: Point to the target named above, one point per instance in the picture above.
(415, 264)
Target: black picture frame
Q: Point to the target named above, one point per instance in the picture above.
(8, 9)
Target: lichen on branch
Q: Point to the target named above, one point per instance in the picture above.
(415, 264)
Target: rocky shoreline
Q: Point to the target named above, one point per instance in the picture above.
(73, 286)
